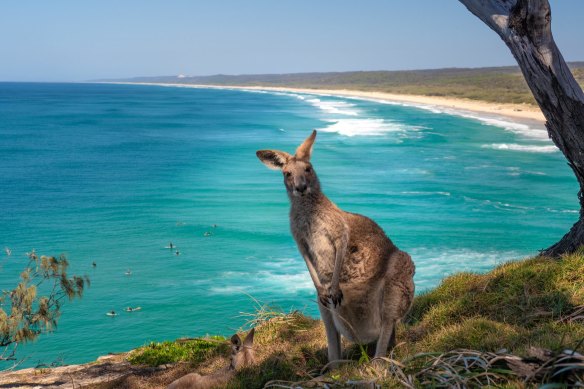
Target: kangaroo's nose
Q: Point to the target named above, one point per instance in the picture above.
(301, 188)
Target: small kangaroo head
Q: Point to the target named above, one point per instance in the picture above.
(299, 176)
(242, 352)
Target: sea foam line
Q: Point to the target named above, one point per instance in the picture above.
(524, 148)
(345, 126)
(515, 127)
(521, 129)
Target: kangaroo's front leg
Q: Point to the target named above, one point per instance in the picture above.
(340, 245)
(320, 289)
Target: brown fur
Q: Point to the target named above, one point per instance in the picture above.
(242, 355)
(363, 281)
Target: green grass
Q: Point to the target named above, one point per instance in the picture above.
(467, 332)
(190, 350)
(516, 304)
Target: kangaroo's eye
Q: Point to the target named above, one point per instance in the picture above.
(287, 174)
(308, 170)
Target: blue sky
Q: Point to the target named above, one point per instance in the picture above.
(80, 40)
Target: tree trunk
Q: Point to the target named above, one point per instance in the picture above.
(525, 27)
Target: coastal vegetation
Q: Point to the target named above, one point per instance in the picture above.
(33, 307)
(519, 325)
(492, 84)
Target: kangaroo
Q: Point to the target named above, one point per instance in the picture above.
(363, 281)
(241, 355)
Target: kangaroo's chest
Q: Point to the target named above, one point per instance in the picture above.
(315, 237)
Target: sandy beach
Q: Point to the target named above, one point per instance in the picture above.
(515, 112)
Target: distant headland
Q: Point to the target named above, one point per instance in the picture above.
(492, 90)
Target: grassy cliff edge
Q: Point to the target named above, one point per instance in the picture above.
(514, 326)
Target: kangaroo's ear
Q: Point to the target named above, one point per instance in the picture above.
(305, 149)
(273, 159)
(236, 342)
(248, 342)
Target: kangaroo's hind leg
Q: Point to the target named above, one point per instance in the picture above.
(333, 336)
(386, 338)
(397, 299)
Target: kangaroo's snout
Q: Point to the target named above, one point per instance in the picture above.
(298, 181)
(301, 188)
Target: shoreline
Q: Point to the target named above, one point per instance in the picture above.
(519, 113)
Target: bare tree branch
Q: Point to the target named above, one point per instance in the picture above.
(525, 27)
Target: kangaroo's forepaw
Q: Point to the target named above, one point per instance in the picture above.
(336, 296)
(323, 297)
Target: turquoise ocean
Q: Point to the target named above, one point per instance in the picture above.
(112, 173)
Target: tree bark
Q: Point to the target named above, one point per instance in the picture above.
(525, 27)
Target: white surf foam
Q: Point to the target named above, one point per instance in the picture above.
(279, 275)
(291, 283)
(521, 129)
(552, 210)
(524, 130)
(368, 127)
(524, 148)
(340, 107)
(424, 193)
(498, 204)
(353, 126)
(229, 289)
(334, 107)
(516, 171)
